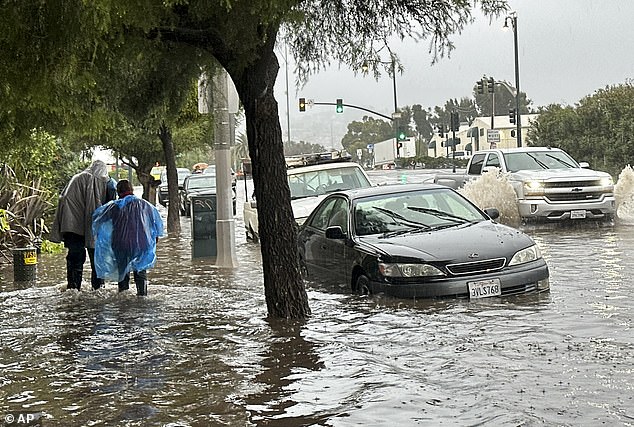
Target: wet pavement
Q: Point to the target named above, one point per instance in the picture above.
(199, 351)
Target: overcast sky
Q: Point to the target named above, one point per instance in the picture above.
(567, 49)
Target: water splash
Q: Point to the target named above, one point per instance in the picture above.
(624, 195)
(493, 190)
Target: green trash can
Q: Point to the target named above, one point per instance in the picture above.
(203, 216)
(25, 264)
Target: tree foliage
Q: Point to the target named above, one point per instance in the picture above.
(59, 43)
(599, 129)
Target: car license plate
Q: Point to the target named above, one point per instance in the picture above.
(484, 288)
(581, 214)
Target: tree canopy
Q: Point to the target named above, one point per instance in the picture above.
(54, 50)
(599, 129)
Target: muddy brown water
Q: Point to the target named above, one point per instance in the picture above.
(199, 351)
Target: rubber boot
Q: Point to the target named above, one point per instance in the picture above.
(74, 279)
(140, 279)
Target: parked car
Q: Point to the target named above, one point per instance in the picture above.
(212, 170)
(417, 241)
(163, 196)
(198, 184)
(308, 186)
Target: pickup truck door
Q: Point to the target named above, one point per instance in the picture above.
(493, 161)
(475, 166)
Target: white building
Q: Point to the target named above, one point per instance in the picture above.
(477, 136)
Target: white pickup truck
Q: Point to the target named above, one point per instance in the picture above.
(549, 184)
(309, 185)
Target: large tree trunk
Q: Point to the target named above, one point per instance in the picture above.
(283, 286)
(173, 215)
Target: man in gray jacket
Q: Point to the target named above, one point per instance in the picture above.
(84, 193)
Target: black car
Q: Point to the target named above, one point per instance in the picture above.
(163, 196)
(417, 241)
(199, 184)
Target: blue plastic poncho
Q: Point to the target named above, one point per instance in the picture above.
(125, 232)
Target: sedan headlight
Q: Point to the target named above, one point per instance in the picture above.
(409, 270)
(529, 254)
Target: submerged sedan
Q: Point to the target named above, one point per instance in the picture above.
(417, 241)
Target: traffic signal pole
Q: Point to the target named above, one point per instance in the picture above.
(353, 106)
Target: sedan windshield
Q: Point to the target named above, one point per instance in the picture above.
(202, 181)
(418, 210)
(318, 182)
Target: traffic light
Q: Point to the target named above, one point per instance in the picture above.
(441, 130)
(302, 104)
(455, 121)
(402, 134)
(512, 115)
(339, 108)
(491, 85)
(481, 87)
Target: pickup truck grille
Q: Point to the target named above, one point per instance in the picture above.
(572, 184)
(477, 267)
(574, 197)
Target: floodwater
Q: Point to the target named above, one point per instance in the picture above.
(199, 351)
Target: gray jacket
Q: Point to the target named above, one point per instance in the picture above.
(84, 193)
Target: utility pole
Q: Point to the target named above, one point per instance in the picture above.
(225, 224)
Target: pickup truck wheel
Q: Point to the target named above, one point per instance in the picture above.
(362, 285)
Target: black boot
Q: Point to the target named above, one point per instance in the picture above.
(140, 279)
(74, 279)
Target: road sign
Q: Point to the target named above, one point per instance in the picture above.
(493, 136)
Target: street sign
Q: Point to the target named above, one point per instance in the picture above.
(310, 102)
(370, 146)
(493, 136)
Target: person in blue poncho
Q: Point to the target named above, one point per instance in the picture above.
(126, 232)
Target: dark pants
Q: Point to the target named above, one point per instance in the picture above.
(75, 260)
(140, 279)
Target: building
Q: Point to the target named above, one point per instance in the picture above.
(477, 136)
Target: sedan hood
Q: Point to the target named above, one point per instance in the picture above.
(479, 241)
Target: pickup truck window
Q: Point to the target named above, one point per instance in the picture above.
(493, 160)
(475, 168)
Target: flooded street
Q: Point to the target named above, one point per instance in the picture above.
(199, 351)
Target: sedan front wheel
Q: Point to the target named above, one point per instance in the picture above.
(362, 285)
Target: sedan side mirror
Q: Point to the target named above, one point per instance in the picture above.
(492, 213)
(335, 232)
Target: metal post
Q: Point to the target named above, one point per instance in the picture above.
(394, 84)
(225, 224)
(396, 120)
(493, 109)
(517, 83)
(453, 148)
